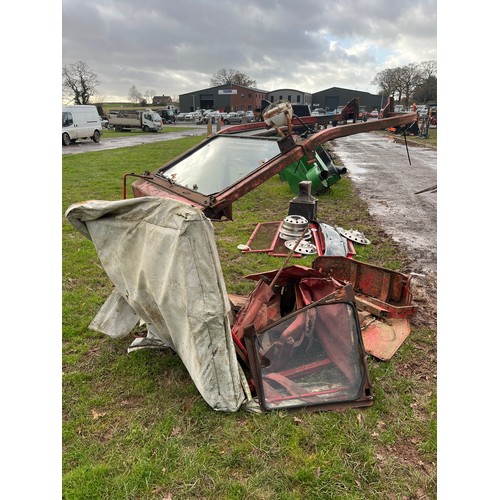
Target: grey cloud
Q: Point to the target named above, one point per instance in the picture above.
(175, 47)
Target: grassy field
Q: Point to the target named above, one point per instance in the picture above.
(110, 133)
(134, 425)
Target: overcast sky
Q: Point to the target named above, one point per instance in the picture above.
(175, 47)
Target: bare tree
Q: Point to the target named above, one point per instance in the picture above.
(428, 69)
(134, 95)
(231, 77)
(428, 86)
(386, 81)
(149, 94)
(411, 78)
(79, 82)
(406, 82)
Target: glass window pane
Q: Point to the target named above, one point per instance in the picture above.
(221, 163)
(312, 358)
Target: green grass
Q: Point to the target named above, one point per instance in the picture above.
(111, 133)
(430, 141)
(134, 425)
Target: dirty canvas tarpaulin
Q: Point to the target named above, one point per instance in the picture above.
(160, 254)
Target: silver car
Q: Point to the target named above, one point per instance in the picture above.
(233, 117)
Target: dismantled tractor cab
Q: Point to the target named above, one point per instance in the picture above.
(297, 341)
(227, 165)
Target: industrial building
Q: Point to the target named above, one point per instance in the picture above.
(334, 97)
(239, 98)
(224, 97)
(291, 95)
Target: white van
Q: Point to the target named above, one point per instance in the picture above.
(80, 122)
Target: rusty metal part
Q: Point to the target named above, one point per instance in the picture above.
(385, 293)
(382, 339)
(383, 309)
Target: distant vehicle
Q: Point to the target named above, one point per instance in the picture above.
(373, 114)
(80, 122)
(422, 112)
(399, 108)
(212, 116)
(195, 116)
(126, 120)
(362, 113)
(250, 116)
(180, 117)
(167, 115)
(233, 117)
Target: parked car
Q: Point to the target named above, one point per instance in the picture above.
(212, 116)
(373, 114)
(318, 112)
(195, 116)
(250, 116)
(167, 115)
(180, 117)
(233, 117)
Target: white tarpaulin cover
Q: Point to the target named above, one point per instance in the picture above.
(161, 256)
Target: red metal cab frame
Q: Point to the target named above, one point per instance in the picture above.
(292, 148)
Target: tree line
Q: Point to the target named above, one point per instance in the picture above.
(410, 83)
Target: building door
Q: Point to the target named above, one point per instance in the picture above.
(332, 102)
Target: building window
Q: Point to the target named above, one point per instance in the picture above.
(272, 98)
(281, 97)
(289, 98)
(298, 98)
(249, 96)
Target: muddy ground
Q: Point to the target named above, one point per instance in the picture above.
(379, 166)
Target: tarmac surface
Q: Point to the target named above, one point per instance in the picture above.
(86, 146)
(379, 167)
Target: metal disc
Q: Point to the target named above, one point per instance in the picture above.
(353, 235)
(304, 247)
(288, 235)
(296, 220)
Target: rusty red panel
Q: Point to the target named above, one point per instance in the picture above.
(382, 339)
(383, 284)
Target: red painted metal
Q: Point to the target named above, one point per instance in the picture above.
(293, 148)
